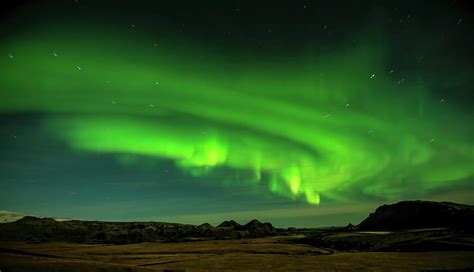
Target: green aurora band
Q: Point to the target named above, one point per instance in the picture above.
(306, 125)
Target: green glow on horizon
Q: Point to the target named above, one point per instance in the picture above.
(325, 124)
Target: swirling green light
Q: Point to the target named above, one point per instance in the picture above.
(314, 124)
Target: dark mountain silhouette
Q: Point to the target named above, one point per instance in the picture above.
(404, 226)
(257, 229)
(419, 214)
(207, 231)
(349, 227)
(230, 224)
(33, 229)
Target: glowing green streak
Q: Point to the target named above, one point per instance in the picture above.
(314, 125)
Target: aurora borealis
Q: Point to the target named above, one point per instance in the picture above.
(343, 113)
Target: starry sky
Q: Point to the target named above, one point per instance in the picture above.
(300, 113)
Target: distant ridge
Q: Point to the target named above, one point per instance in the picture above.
(8, 217)
(256, 228)
(419, 214)
(35, 229)
(406, 226)
(230, 224)
(404, 215)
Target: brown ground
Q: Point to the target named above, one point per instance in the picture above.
(252, 254)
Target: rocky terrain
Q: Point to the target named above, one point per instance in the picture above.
(32, 229)
(407, 225)
(420, 214)
(437, 239)
(406, 236)
(404, 226)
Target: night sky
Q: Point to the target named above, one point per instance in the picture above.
(301, 113)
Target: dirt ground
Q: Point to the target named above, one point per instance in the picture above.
(267, 254)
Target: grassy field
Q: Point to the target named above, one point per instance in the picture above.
(269, 254)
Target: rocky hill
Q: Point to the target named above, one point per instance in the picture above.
(258, 229)
(404, 226)
(230, 224)
(420, 214)
(33, 229)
